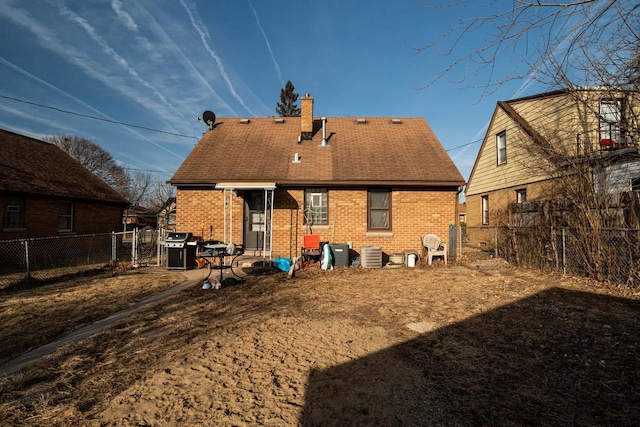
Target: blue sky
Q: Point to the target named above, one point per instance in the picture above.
(159, 64)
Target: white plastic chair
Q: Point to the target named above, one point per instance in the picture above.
(434, 247)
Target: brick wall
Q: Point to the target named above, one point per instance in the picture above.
(414, 214)
(41, 218)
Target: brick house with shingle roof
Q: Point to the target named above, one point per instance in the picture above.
(268, 181)
(44, 192)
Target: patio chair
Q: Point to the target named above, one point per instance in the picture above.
(310, 247)
(433, 247)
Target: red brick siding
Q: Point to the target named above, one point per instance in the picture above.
(414, 213)
(41, 218)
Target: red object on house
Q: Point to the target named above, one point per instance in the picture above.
(608, 144)
(310, 246)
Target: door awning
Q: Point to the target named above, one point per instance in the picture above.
(246, 186)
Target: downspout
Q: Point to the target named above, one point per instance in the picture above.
(457, 219)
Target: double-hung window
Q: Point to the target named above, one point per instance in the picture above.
(65, 217)
(611, 122)
(379, 210)
(521, 196)
(13, 216)
(501, 147)
(485, 210)
(316, 206)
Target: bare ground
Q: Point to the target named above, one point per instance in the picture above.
(475, 343)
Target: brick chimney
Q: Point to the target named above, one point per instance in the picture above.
(306, 122)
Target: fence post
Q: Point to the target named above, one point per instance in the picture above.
(134, 249)
(26, 258)
(564, 252)
(495, 239)
(114, 251)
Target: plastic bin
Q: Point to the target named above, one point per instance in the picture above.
(340, 254)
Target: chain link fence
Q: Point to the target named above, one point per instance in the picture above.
(608, 254)
(47, 259)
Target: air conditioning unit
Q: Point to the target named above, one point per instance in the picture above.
(371, 256)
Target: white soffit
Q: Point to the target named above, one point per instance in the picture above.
(246, 186)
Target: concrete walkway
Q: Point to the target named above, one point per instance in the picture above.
(20, 362)
(193, 278)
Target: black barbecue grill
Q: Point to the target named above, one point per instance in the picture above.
(181, 251)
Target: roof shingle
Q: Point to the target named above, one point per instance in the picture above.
(35, 167)
(377, 152)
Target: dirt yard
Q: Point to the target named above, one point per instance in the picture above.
(477, 343)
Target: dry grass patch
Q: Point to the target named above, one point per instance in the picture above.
(469, 344)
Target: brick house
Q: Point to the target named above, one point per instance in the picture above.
(44, 192)
(265, 182)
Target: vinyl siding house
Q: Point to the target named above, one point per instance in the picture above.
(265, 182)
(44, 192)
(514, 177)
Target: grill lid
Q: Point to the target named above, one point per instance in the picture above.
(178, 237)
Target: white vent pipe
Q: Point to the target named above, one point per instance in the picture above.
(324, 133)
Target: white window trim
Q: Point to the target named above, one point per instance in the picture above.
(501, 136)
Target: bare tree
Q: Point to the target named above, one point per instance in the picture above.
(565, 43)
(160, 192)
(135, 186)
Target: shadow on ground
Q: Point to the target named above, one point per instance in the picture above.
(559, 357)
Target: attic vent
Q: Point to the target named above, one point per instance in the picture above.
(279, 120)
(361, 121)
(396, 121)
(245, 121)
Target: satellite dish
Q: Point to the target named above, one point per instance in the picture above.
(209, 118)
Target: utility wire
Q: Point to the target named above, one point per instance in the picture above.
(464, 145)
(96, 118)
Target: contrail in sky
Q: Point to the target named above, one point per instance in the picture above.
(72, 16)
(204, 37)
(266, 40)
(84, 104)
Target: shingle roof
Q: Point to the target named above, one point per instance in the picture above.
(30, 166)
(377, 152)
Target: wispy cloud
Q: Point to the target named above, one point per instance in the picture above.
(169, 44)
(125, 18)
(197, 24)
(266, 40)
(79, 101)
(91, 31)
(49, 40)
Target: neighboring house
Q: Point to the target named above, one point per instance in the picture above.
(138, 217)
(511, 181)
(44, 192)
(265, 182)
(462, 213)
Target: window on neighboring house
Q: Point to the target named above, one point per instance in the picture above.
(521, 196)
(13, 212)
(611, 121)
(65, 216)
(379, 209)
(316, 206)
(635, 183)
(501, 147)
(485, 210)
